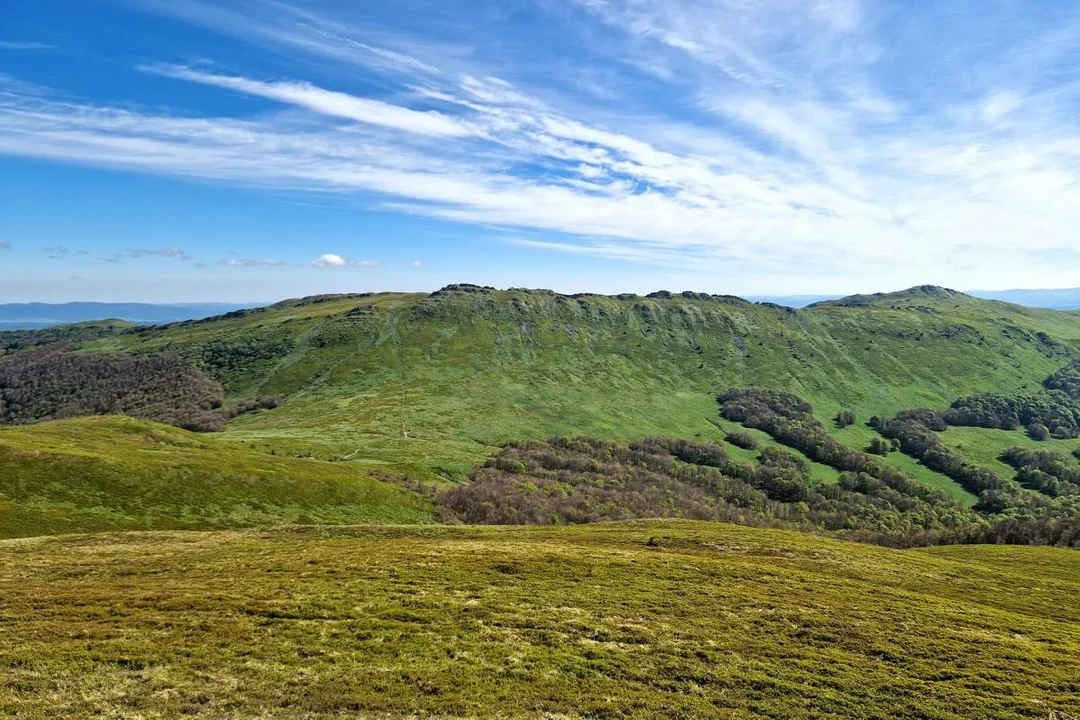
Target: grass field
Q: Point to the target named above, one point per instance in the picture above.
(115, 473)
(703, 621)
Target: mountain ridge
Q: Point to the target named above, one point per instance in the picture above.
(37, 315)
(439, 380)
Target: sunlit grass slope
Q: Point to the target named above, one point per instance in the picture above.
(114, 473)
(984, 446)
(436, 382)
(638, 620)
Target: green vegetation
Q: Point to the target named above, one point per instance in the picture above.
(735, 434)
(337, 616)
(984, 446)
(13, 341)
(434, 384)
(859, 436)
(431, 386)
(114, 473)
(579, 480)
(640, 620)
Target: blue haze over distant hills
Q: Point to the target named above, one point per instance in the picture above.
(21, 316)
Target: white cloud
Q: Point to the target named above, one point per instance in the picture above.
(418, 263)
(250, 262)
(330, 260)
(328, 102)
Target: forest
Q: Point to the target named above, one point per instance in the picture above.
(584, 480)
(53, 382)
(1041, 507)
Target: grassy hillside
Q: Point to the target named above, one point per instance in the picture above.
(607, 621)
(114, 473)
(435, 382)
(984, 446)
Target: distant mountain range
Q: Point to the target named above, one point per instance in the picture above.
(23, 316)
(1068, 299)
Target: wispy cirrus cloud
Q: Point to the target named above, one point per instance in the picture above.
(161, 252)
(327, 102)
(24, 46)
(777, 138)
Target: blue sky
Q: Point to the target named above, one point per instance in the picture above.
(248, 150)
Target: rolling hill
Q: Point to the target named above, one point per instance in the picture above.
(429, 387)
(436, 382)
(116, 473)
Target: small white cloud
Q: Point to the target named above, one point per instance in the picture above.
(251, 262)
(330, 260)
(165, 252)
(418, 263)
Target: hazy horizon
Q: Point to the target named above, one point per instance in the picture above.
(1048, 298)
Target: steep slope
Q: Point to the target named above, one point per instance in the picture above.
(638, 620)
(437, 381)
(115, 473)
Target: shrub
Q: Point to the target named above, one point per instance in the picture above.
(844, 418)
(878, 446)
(742, 439)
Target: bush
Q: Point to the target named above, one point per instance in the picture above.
(741, 439)
(1038, 431)
(844, 418)
(878, 446)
